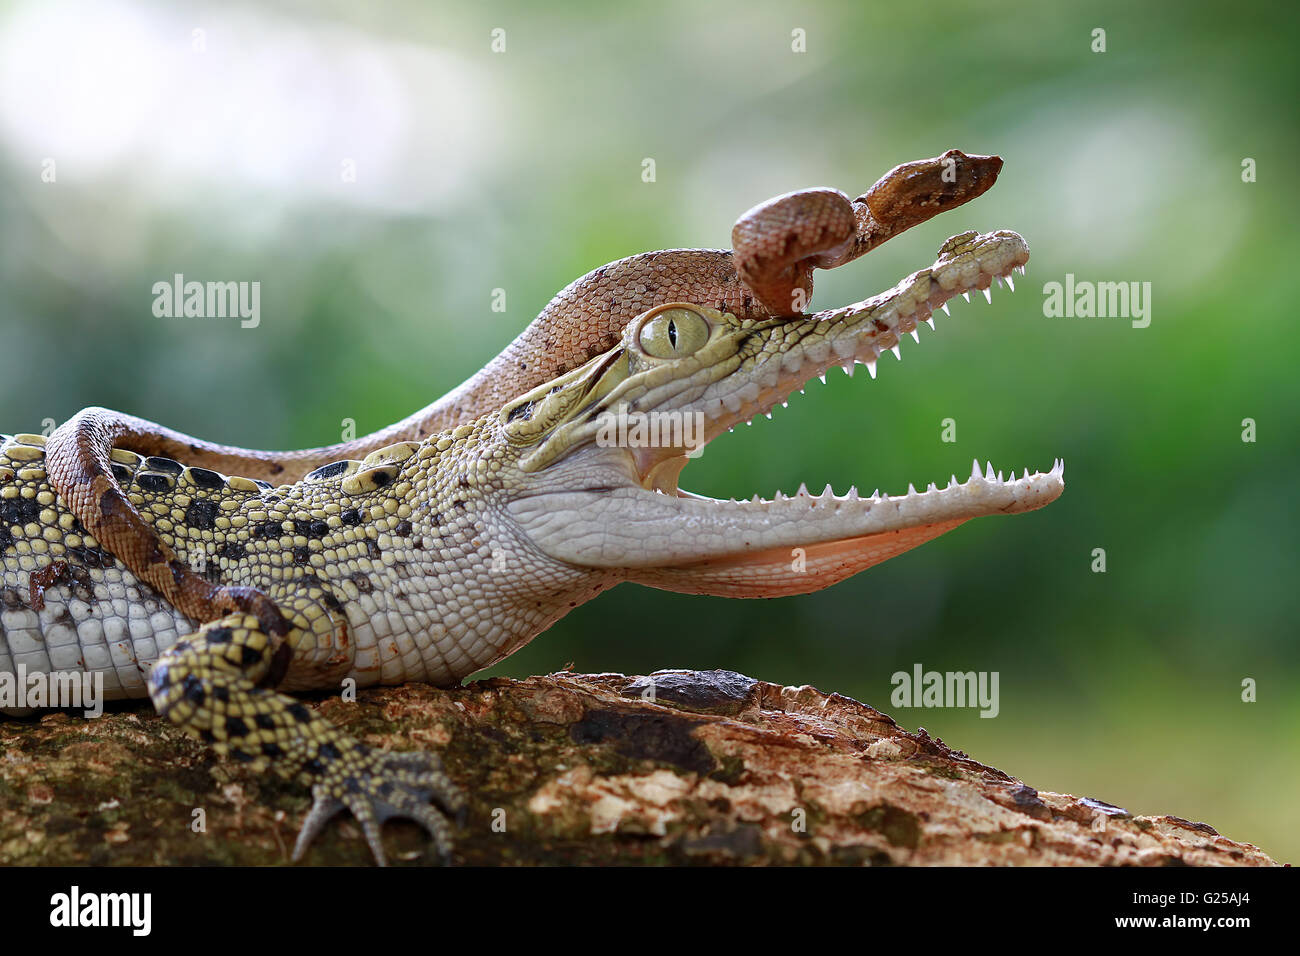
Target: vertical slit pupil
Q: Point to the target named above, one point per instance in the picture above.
(672, 332)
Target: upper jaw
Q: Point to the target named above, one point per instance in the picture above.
(857, 334)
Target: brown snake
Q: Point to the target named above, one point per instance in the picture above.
(769, 271)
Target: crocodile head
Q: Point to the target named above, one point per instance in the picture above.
(600, 449)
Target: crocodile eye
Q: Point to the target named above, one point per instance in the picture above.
(673, 333)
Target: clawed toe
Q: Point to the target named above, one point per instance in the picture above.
(385, 786)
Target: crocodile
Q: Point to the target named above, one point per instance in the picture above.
(430, 559)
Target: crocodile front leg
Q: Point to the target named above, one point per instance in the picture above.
(217, 685)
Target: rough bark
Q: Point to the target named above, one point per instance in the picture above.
(581, 768)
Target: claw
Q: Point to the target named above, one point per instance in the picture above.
(378, 786)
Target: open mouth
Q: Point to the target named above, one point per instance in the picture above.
(688, 542)
(893, 314)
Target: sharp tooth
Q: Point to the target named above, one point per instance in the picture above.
(916, 336)
(911, 490)
(944, 306)
(848, 368)
(988, 470)
(853, 493)
(898, 353)
(932, 487)
(1000, 477)
(828, 491)
(779, 496)
(876, 493)
(1010, 283)
(803, 490)
(930, 322)
(756, 500)
(871, 367)
(953, 482)
(769, 416)
(966, 296)
(988, 295)
(975, 469)
(822, 376)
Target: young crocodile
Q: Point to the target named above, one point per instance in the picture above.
(431, 560)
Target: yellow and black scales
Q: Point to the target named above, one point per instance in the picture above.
(383, 570)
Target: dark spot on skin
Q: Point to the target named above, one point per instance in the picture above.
(313, 767)
(272, 750)
(242, 756)
(265, 721)
(207, 736)
(179, 570)
(332, 470)
(221, 635)
(403, 529)
(280, 662)
(6, 538)
(266, 485)
(249, 657)
(77, 526)
(164, 464)
(193, 689)
(121, 473)
(381, 478)
(462, 481)
(82, 587)
(110, 504)
(373, 549)
(91, 557)
(235, 727)
(362, 582)
(269, 529)
(301, 554)
(13, 600)
(221, 694)
(201, 515)
(331, 601)
(207, 479)
(19, 511)
(155, 484)
(232, 550)
(880, 324)
(436, 518)
(299, 713)
(351, 517)
(311, 528)
(329, 751)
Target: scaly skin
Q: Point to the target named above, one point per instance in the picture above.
(777, 245)
(431, 560)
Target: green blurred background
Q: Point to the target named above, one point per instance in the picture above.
(218, 154)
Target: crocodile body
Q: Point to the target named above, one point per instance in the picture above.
(429, 560)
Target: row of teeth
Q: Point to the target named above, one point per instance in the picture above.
(923, 311)
(985, 477)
